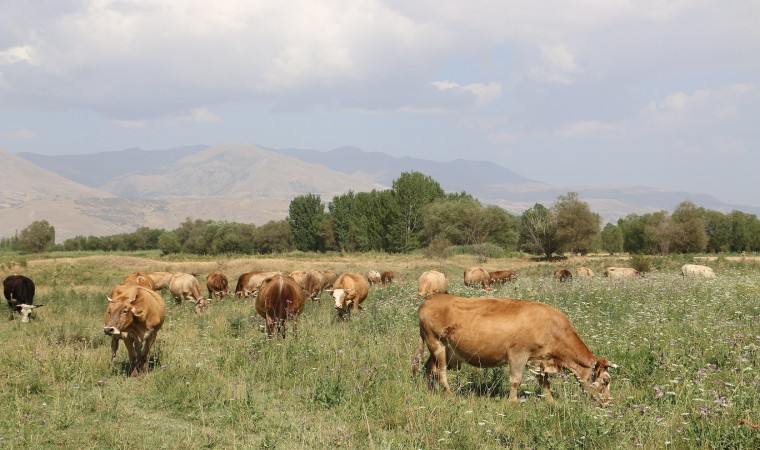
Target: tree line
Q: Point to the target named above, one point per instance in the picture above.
(415, 213)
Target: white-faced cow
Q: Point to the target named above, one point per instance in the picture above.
(349, 291)
(621, 272)
(280, 299)
(217, 285)
(490, 332)
(477, 277)
(134, 314)
(19, 293)
(563, 275)
(432, 282)
(696, 270)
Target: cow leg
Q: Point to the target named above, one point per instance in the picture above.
(130, 344)
(438, 366)
(516, 367)
(281, 328)
(543, 381)
(144, 354)
(270, 326)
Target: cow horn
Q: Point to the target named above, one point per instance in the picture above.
(134, 299)
(110, 300)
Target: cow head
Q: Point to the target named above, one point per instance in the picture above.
(25, 311)
(201, 306)
(344, 298)
(120, 315)
(599, 385)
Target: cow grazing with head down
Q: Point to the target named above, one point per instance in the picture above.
(621, 272)
(328, 277)
(185, 286)
(140, 279)
(696, 270)
(373, 277)
(477, 277)
(253, 281)
(563, 275)
(490, 332)
(217, 285)
(386, 277)
(280, 299)
(19, 293)
(432, 282)
(349, 291)
(582, 272)
(502, 276)
(134, 314)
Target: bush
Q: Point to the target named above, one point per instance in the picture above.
(641, 263)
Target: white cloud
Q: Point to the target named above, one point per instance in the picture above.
(132, 124)
(20, 134)
(703, 105)
(586, 128)
(483, 93)
(557, 65)
(197, 115)
(17, 54)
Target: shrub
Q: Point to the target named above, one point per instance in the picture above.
(641, 263)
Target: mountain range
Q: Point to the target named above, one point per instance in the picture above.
(114, 192)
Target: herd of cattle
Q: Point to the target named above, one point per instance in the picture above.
(484, 332)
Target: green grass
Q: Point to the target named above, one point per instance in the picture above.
(688, 350)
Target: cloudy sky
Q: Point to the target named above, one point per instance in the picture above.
(659, 93)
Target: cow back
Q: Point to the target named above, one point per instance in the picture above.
(476, 276)
(432, 282)
(280, 297)
(18, 290)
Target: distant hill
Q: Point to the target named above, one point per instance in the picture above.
(112, 192)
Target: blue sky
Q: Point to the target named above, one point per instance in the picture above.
(577, 93)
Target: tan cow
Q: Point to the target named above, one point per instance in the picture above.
(502, 276)
(696, 270)
(432, 282)
(621, 272)
(329, 276)
(183, 286)
(161, 280)
(312, 282)
(386, 277)
(140, 279)
(374, 277)
(477, 277)
(279, 299)
(490, 332)
(563, 275)
(582, 272)
(134, 314)
(217, 285)
(248, 283)
(349, 291)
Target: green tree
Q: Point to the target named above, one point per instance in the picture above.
(718, 229)
(168, 243)
(689, 228)
(304, 216)
(413, 191)
(37, 237)
(612, 239)
(538, 230)
(272, 237)
(575, 224)
(661, 229)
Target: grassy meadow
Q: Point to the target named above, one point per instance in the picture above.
(689, 351)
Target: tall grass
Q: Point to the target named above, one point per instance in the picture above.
(688, 350)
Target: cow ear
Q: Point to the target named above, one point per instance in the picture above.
(137, 312)
(37, 306)
(133, 300)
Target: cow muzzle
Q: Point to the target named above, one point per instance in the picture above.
(111, 331)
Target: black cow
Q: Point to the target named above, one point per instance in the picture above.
(19, 292)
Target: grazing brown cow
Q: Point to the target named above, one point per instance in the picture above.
(349, 291)
(248, 283)
(696, 270)
(476, 277)
(581, 272)
(134, 314)
(183, 286)
(386, 277)
(280, 299)
(502, 276)
(329, 276)
(374, 277)
(161, 280)
(19, 293)
(217, 285)
(432, 282)
(140, 279)
(563, 275)
(313, 284)
(490, 332)
(621, 272)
